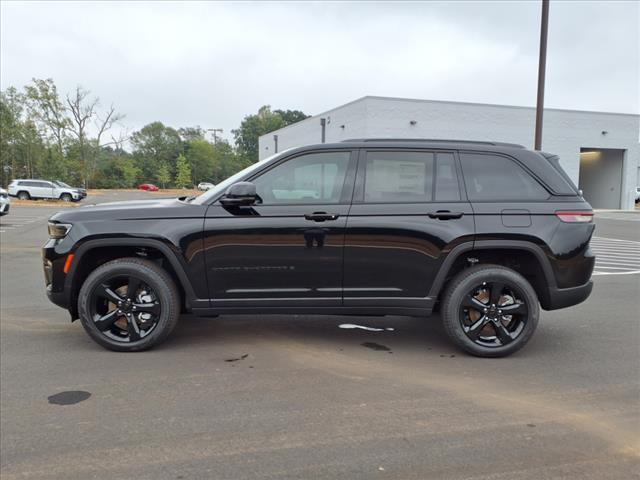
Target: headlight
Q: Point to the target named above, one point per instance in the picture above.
(59, 230)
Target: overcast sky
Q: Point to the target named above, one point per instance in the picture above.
(209, 64)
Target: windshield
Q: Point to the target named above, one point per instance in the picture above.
(61, 184)
(222, 186)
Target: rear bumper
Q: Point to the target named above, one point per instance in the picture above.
(566, 297)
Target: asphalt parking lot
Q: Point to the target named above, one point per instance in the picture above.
(299, 397)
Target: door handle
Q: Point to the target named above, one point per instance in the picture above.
(321, 216)
(445, 215)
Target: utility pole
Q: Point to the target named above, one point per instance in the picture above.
(542, 65)
(215, 132)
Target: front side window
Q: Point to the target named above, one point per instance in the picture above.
(398, 177)
(496, 178)
(312, 178)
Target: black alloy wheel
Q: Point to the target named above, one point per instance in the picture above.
(493, 314)
(129, 304)
(125, 309)
(490, 310)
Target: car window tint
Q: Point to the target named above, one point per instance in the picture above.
(492, 177)
(307, 179)
(447, 187)
(398, 177)
(44, 184)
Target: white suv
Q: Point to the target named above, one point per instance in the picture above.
(5, 202)
(27, 189)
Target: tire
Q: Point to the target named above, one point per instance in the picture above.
(478, 327)
(97, 305)
(24, 195)
(65, 197)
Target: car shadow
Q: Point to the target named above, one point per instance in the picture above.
(394, 332)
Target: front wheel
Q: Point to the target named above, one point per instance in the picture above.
(129, 304)
(490, 311)
(65, 197)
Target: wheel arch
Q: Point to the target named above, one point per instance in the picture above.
(93, 253)
(537, 269)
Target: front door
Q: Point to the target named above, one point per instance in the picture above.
(286, 250)
(409, 210)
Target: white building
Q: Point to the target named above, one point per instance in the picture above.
(599, 150)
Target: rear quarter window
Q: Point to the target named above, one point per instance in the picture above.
(490, 177)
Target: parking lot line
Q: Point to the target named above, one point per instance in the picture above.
(615, 256)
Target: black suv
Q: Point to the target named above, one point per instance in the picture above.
(484, 232)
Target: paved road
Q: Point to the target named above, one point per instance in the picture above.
(277, 397)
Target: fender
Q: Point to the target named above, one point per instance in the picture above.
(489, 245)
(175, 261)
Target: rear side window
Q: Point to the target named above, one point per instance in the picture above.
(398, 177)
(491, 177)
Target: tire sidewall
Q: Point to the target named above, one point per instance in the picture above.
(164, 292)
(469, 279)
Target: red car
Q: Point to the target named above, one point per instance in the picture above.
(150, 187)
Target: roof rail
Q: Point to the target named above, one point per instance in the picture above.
(435, 140)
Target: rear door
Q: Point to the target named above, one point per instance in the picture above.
(409, 211)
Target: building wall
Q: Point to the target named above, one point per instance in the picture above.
(308, 132)
(564, 133)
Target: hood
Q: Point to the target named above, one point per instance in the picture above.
(162, 208)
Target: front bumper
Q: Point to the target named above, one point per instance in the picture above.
(56, 281)
(566, 297)
(4, 208)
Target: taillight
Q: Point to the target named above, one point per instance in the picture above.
(575, 217)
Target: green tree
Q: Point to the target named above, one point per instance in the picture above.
(202, 159)
(154, 146)
(11, 109)
(252, 127)
(163, 175)
(49, 112)
(291, 116)
(191, 133)
(183, 172)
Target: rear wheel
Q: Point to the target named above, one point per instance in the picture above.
(490, 311)
(24, 195)
(129, 304)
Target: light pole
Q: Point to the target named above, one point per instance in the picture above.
(542, 65)
(215, 132)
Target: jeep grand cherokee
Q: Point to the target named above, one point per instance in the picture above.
(484, 232)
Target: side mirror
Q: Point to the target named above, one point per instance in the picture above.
(241, 193)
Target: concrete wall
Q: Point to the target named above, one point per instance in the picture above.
(565, 131)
